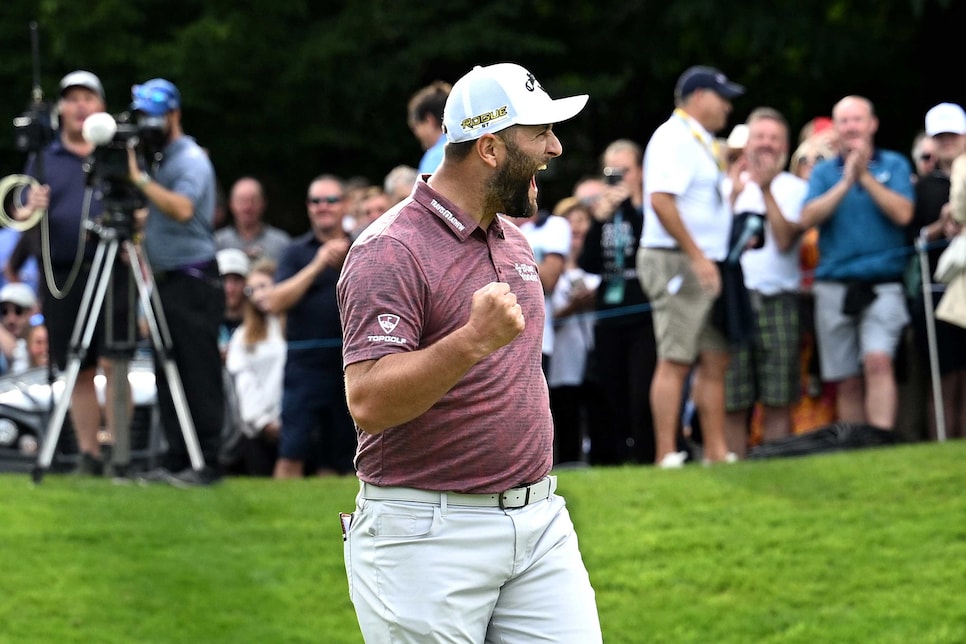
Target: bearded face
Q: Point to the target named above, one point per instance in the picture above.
(509, 192)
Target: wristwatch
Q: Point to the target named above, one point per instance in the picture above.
(143, 180)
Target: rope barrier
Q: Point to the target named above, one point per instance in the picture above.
(635, 309)
(320, 343)
(902, 251)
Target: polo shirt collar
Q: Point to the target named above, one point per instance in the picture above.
(458, 222)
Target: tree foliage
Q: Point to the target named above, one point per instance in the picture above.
(287, 89)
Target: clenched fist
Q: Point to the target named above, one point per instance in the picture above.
(495, 316)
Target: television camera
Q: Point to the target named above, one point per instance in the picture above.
(108, 169)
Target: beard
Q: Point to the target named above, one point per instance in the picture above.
(509, 191)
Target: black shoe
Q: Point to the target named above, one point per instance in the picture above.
(157, 475)
(122, 474)
(189, 477)
(89, 465)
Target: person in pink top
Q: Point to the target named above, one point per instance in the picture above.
(457, 533)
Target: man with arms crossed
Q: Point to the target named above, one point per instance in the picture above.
(457, 533)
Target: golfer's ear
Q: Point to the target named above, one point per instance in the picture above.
(491, 149)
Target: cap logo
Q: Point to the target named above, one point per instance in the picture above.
(721, 79)
(531, 82)
(484, 119)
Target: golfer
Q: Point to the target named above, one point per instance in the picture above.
(457, 533)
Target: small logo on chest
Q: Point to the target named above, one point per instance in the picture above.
(528, 272)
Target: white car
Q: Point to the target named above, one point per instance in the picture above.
(26, 405)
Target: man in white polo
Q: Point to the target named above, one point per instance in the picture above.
(687, 225)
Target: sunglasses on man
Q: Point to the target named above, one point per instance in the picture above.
(330, 199)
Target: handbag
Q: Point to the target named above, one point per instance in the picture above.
(952, 305)
(952, 261)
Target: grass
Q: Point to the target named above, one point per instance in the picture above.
(864, 546)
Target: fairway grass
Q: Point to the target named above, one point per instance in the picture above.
(862, 546)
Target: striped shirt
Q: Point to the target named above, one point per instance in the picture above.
(408, 282)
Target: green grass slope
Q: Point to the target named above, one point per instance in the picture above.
(864, 546)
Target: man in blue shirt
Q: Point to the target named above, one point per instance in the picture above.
(426, 123)
(180, 246)
(318, 436)
(861, 201)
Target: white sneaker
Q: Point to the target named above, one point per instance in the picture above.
(730, 457)
(673, 460)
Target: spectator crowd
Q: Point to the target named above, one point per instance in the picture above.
(706, 290)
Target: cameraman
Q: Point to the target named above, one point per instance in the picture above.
(63, 193)
(180, 246)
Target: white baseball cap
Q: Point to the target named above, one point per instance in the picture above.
(945, 117)
(233, 261)
(493, 98)
(738, 137)
(82, 78)
(18, 293)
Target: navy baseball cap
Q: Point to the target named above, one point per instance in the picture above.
(701, 77)
(155, 97)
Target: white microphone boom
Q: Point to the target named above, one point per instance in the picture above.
(99, 128)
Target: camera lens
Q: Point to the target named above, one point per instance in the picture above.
(613, 176)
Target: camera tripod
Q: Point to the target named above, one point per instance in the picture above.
(113, 236)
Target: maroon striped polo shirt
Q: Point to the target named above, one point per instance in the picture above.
(408, 282)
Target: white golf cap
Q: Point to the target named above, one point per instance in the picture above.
(18, 293)
(945, 117)
(233, 261)
(493, 98)
(738, 137)
(82, 78)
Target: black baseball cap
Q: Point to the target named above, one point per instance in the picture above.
(701, 77)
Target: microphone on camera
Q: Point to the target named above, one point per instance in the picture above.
(99, 128)
(753, 226)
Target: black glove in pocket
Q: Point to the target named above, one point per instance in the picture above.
(858, 295)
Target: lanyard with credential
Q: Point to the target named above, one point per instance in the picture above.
(614, 293)
(711, 148)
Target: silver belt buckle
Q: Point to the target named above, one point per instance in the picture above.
(515, 491)
(519, 497)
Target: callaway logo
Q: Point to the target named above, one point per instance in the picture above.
(532, 83)
(388, 322)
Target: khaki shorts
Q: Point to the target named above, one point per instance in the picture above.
(682, 311)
